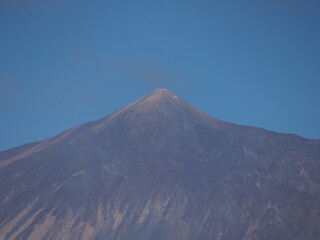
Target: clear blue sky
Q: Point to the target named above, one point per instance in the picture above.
(63, 63)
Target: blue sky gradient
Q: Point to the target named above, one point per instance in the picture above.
(63, 63)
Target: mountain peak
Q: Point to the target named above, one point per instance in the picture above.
(162, 91)
(165, 103)
(159, 93)
(159, 98)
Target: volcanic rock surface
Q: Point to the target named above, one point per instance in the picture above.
(160, 169)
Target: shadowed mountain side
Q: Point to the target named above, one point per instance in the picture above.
(161, 169)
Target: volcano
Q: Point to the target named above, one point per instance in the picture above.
(160, 169)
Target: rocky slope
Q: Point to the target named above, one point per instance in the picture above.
(161, 169)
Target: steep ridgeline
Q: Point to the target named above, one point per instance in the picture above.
(161, 169)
